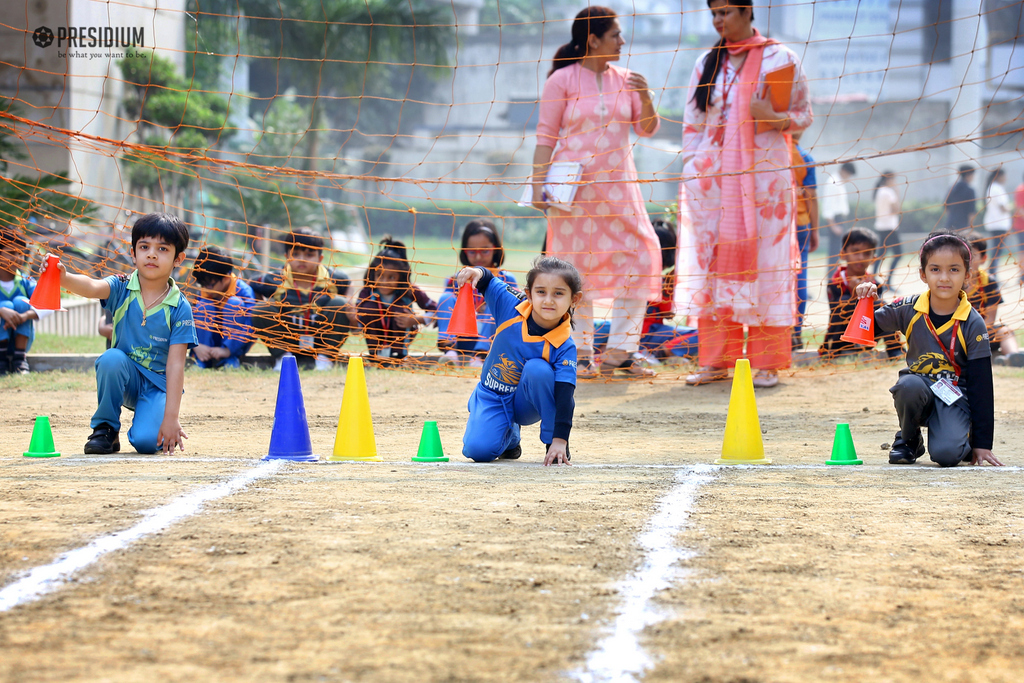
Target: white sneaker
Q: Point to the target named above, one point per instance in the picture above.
(475, 362)
(323, 363)
(449, 357)
(280, 361)
(647, 357)
(766, 379)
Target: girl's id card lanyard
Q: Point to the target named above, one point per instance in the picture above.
(947, 391)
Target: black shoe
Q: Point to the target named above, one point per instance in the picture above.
(103, 441)
(568, 456)
(19, 367)
(904, 453)
(512, 453)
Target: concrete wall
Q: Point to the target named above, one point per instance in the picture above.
(81, 93)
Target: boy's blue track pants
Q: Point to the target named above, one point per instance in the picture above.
(120, 382)
(494, 419)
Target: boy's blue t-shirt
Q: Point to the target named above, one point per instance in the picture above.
(168, 322)
(811, 179)
(23, 286)
(513, 345)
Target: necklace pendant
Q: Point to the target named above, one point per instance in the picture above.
(143, 322)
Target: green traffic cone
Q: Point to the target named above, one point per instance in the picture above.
(843, 452)
(430, 445)
(41, 445)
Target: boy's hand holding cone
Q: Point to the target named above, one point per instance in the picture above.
(861, 329)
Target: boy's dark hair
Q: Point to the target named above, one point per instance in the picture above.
(555, 266)
(482, 226)
(978, 242)
(944, 239)
(666, 231)
(964, 170)
(162, 226)
(864, 236)
(12, 236)
(211, 265)
(303, 238)
(849, 168)
(391, 258)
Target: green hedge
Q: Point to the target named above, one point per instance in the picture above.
(446, 219)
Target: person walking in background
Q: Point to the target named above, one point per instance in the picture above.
(587, 109)
(806, 181)
(887, 224)
(961, 202)
(834, 196)
(737, 200)
(1018, 227)
(998, 216)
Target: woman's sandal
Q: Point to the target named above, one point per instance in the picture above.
(631, 367)
(585, 369)
(706, 375)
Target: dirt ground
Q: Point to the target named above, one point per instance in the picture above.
(399, 571)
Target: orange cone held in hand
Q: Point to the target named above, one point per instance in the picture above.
(46, 296)
(861, 329)
(463, 320)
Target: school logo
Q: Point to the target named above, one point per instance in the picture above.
(506, 371)
(569, 363)
(42, 37)
(932, 364)
(980, 337)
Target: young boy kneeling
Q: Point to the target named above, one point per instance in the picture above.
(223, 324)
(144, 370)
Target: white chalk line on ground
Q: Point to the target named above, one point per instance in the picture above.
(619, 655)
(48, 578)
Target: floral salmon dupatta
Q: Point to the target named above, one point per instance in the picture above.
(736, 257)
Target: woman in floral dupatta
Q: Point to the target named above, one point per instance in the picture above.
(738, 251)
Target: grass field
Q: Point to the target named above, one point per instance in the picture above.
(642, 560)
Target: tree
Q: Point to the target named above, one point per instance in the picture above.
(353, 62)
(179, 127)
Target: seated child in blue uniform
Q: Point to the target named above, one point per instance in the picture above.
(385, 304)
(481, 246)
(222, 311)
(947, 384)
(305, 312)
(144, 370)
(530, 372)
(17, 317)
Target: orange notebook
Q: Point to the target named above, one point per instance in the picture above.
(779, 84)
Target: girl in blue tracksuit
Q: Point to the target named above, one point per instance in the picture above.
(530, 372)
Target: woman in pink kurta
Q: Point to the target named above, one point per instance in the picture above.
(587, 110)
(738, 251)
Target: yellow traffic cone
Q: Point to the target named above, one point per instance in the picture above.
(354, 439)
(742, 444)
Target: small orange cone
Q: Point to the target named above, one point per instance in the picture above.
(46, 297)
(861, 329)
(463, 320)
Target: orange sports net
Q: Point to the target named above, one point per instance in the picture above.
(411, 118)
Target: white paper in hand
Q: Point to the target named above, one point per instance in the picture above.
(559, 187)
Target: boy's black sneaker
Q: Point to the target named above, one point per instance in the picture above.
(20, 367)
(568, 456)
(904, 453)
(103, 441)
(512, 453)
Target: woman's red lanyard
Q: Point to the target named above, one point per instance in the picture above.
(950, 352)
(718, 134)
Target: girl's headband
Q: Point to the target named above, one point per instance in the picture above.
(954, 236)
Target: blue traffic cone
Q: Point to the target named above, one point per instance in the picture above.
(290, 438)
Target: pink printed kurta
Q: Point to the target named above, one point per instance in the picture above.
(770, 298)
(586, 117)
